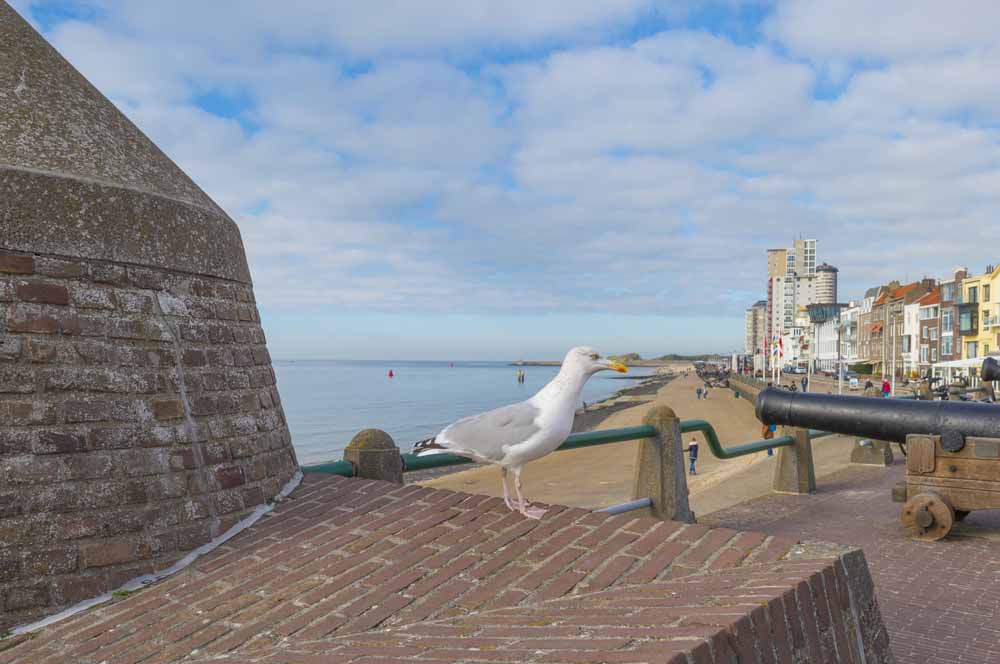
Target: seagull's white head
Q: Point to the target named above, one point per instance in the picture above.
(590, 361)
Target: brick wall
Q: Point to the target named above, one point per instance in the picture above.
(138, 418)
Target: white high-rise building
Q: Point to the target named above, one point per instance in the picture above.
(794, 282)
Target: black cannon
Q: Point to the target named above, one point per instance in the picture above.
(953, 447)
(990, 370)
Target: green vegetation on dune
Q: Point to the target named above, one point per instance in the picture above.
(626, 358)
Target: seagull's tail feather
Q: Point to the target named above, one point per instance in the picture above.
(428, 447)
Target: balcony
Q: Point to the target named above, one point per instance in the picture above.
(968, 319)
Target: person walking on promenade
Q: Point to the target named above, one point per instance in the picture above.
(704, 393)
(886, 388)
(698, 392)
(805, 383)
(869, 386)
(692, 451)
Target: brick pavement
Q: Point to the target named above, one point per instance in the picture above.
(356, 570)
(940, 600)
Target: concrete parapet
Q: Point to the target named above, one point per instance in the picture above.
(872, 453)
(375, 456)
(660, 468)
(794, 472)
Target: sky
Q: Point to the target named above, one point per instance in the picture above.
(498, 180)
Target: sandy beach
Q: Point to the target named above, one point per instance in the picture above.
(597, 477)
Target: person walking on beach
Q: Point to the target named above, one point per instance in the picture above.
(698, 392)
(704, 393)
(805, 383)
(886, 388)
(692, 451)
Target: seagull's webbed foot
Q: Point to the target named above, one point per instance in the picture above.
(533, 512)
(523, 506)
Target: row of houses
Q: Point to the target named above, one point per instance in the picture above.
(899, 329)
(906, 329)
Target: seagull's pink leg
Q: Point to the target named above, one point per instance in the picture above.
(523, 506)
(506, 491)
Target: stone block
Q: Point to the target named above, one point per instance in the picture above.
(59, 442)
(871, 453)
(16, 380)
(168, 409)
(52, 562)
(27, 597)
(16, 263)
(91, 410)
(660, 471)
(374, 455)
(794, 471)
(42, 293)
(109, 552)
(58, 268)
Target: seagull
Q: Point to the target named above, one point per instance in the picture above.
(513, 435)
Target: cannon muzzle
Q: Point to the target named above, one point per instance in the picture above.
(881, 419)
(990, 370)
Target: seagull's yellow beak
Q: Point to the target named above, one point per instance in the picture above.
(618, 366)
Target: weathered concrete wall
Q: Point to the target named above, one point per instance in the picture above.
(139, 417)
(138, 410)
(748, 388)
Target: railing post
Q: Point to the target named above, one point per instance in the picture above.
(375, 456)
(876, 453)
(660, 468)
(794, 472)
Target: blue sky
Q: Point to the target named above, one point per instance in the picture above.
(490, 180)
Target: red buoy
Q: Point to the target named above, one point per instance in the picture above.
(390, 373)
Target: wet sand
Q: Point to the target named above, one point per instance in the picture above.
(596, 477)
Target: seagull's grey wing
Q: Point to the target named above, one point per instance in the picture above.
(486, 436)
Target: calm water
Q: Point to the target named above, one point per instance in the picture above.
(327, 402)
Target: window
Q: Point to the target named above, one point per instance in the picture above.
(986, 293)
(923, 333)
(934, 335)
(973, 294)
(971, 348)
(946, 348)
(968, 322)
(933, 354)
(947, 292)
(923, 353)
(947, 321)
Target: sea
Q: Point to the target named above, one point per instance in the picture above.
(328, 401)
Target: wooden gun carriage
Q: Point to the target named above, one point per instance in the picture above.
(952, 448)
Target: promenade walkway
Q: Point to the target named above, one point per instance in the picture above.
(940, 600)
(351, 570)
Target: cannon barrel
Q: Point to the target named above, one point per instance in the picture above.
(881, 419)
(990, 370)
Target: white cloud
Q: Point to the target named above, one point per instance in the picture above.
(396, 158)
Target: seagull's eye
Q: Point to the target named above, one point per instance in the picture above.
(595, 356)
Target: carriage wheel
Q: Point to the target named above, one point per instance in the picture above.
(928, 516)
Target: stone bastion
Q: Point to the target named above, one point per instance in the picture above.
(139, 416)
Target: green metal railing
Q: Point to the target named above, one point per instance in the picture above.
(411, 462)
(708, 431)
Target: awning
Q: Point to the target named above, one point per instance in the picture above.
(971, 363)
(876, 327)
